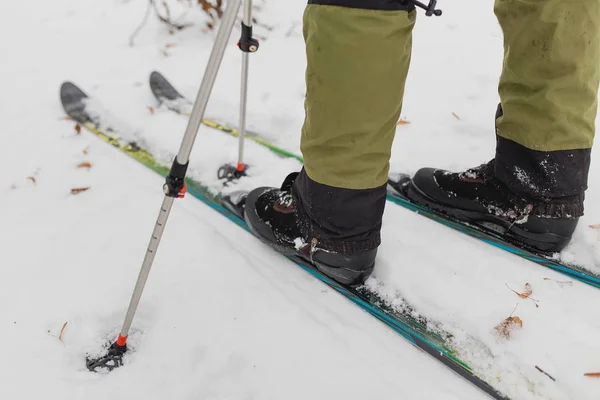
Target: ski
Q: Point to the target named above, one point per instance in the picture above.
(397, 195)
(166, 93)
(420, 332)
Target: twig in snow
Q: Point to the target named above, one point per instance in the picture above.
(166, 20)
(545, 373)
(62, 331)
(514, 309)
(141, 25)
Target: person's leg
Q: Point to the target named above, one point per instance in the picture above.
(358, 54)
(544, 126)
(549, 95)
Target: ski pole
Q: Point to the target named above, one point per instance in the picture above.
(173, 188)
(247, 44)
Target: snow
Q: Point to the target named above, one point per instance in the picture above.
(227, 322)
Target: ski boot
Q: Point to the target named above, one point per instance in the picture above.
(475, 195)
(272, 214)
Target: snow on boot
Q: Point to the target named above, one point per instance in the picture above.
(271, 214)
(475, 195)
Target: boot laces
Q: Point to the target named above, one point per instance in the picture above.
(285, 199)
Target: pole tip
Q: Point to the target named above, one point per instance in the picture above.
(112, 359)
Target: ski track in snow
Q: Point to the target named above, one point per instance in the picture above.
(218, 322)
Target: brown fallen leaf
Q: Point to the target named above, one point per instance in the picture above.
(456, 116)
(506, 327)
(525, 294)
(164, 53)
(592, 374)
(85, 164)
(62, 330)
(79, 190)
(169, 45)
(595, 226)
(32, 179)
(78, 129)
(151, 109)
(86, 150)
(403, 122)
(66, 118)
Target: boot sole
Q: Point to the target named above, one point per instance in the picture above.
(543, 242)
(345, 276)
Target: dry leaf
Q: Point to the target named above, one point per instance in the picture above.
(85, 164)
(32, 179)
(78, 128)
(86, 150)
(595, 226)
(456, 116)
(403, 122)
(592, 374)
(169, 45)
(164, 53)
(525, 294)
(62, 330)
(66, 118)
(506, 327)
(79, 190)
(151, 109)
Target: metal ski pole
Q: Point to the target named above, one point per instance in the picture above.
(173, 188)
(247, 44)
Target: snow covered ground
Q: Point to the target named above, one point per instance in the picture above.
(224, 322)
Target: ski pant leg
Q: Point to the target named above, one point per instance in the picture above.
(358, 54)
(549, 95)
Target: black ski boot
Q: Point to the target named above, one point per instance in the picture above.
(272, 214)
(544, 224)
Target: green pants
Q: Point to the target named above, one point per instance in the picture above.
(358, 60)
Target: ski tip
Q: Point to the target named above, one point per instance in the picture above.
(156, 76)
(72, 99)
(70, 93)
(162, 89)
